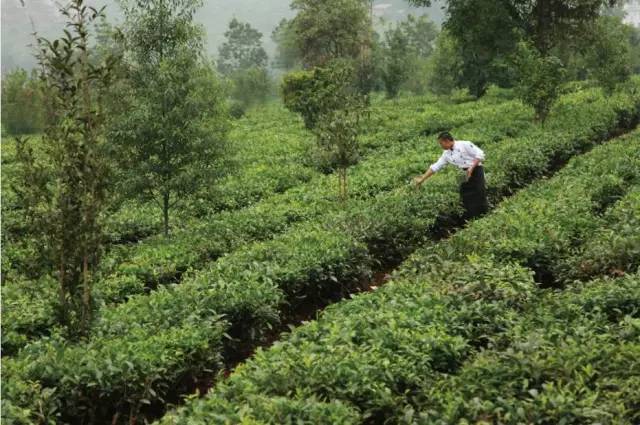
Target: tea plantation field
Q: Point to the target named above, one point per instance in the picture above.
(530, 314)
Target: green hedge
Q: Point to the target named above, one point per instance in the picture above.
(373, 351)
(210, 293)
(157, 261)
(572, 359)
(613, 247)
(542, 235)
(401, 353)
(160, 261)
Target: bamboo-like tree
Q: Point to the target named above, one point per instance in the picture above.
(64, 190)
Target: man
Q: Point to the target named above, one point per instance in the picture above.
(468, 157)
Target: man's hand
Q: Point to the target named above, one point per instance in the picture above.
(473, 167)
(417, 181)
(469, 172)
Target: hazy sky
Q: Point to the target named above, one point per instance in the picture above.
(18, 22)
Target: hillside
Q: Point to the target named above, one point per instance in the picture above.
(273, 247)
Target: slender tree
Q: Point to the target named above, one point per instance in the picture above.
(170, 136)
(288, 55)
(64, 191)
(242, 49)
(243, 60)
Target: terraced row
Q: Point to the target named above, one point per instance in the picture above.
(464, 333)
(142, 351)
(157, 261)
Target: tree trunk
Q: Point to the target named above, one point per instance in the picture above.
(64, 308)
(165, 212)
(86, 294)
(346, 188)
(543, 25)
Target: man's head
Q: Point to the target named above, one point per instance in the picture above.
(446, 140)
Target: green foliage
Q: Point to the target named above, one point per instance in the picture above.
(29, 311)
(263, 283)
(397, 59)
(157, 261)
(375, 350)
(567, 360)
(614, 247)
(288, 56)
(242, 49)
(22, 103)
(320, 91)
(63, 194)
(250, 86)
(273, 410)
(488, 33)
(243, 60)
(170, 137)
(330, 29)
(329, 102)
(540, 78)
(421, 33)
(407, 46)
(471, 322)
(445, 65)
(608, 56)
(337, 138)
(634, 45)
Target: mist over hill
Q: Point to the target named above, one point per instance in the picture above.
(20, 21)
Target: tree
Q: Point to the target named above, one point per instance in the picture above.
(486, 35)
(332, 106)
(288, 56)
(251, 86)
(242, 49)
(540, 78)
(330, 29)
(634, 45)
(243, 60)
(444, 66)
(22, 103)
(337, 139)
(64, 193)
(170, 137)
(406, 47)
(608, 55)
(421, 34)
(488, 32)
(317, 92)
(397, 60)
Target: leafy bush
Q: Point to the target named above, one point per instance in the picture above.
(563, 363)
(471, 337)
(303, 260)
(613, 248)
(540, 78)
(320, 90)
(22, 103)
(250, 87)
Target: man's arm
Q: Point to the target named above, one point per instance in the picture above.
(431, 171)
(421, 179)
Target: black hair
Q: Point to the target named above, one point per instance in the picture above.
(445, 135)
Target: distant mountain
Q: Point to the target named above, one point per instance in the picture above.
(20, 21)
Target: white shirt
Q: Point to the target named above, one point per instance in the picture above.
(462, 155)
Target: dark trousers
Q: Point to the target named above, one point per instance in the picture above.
(474, 194)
